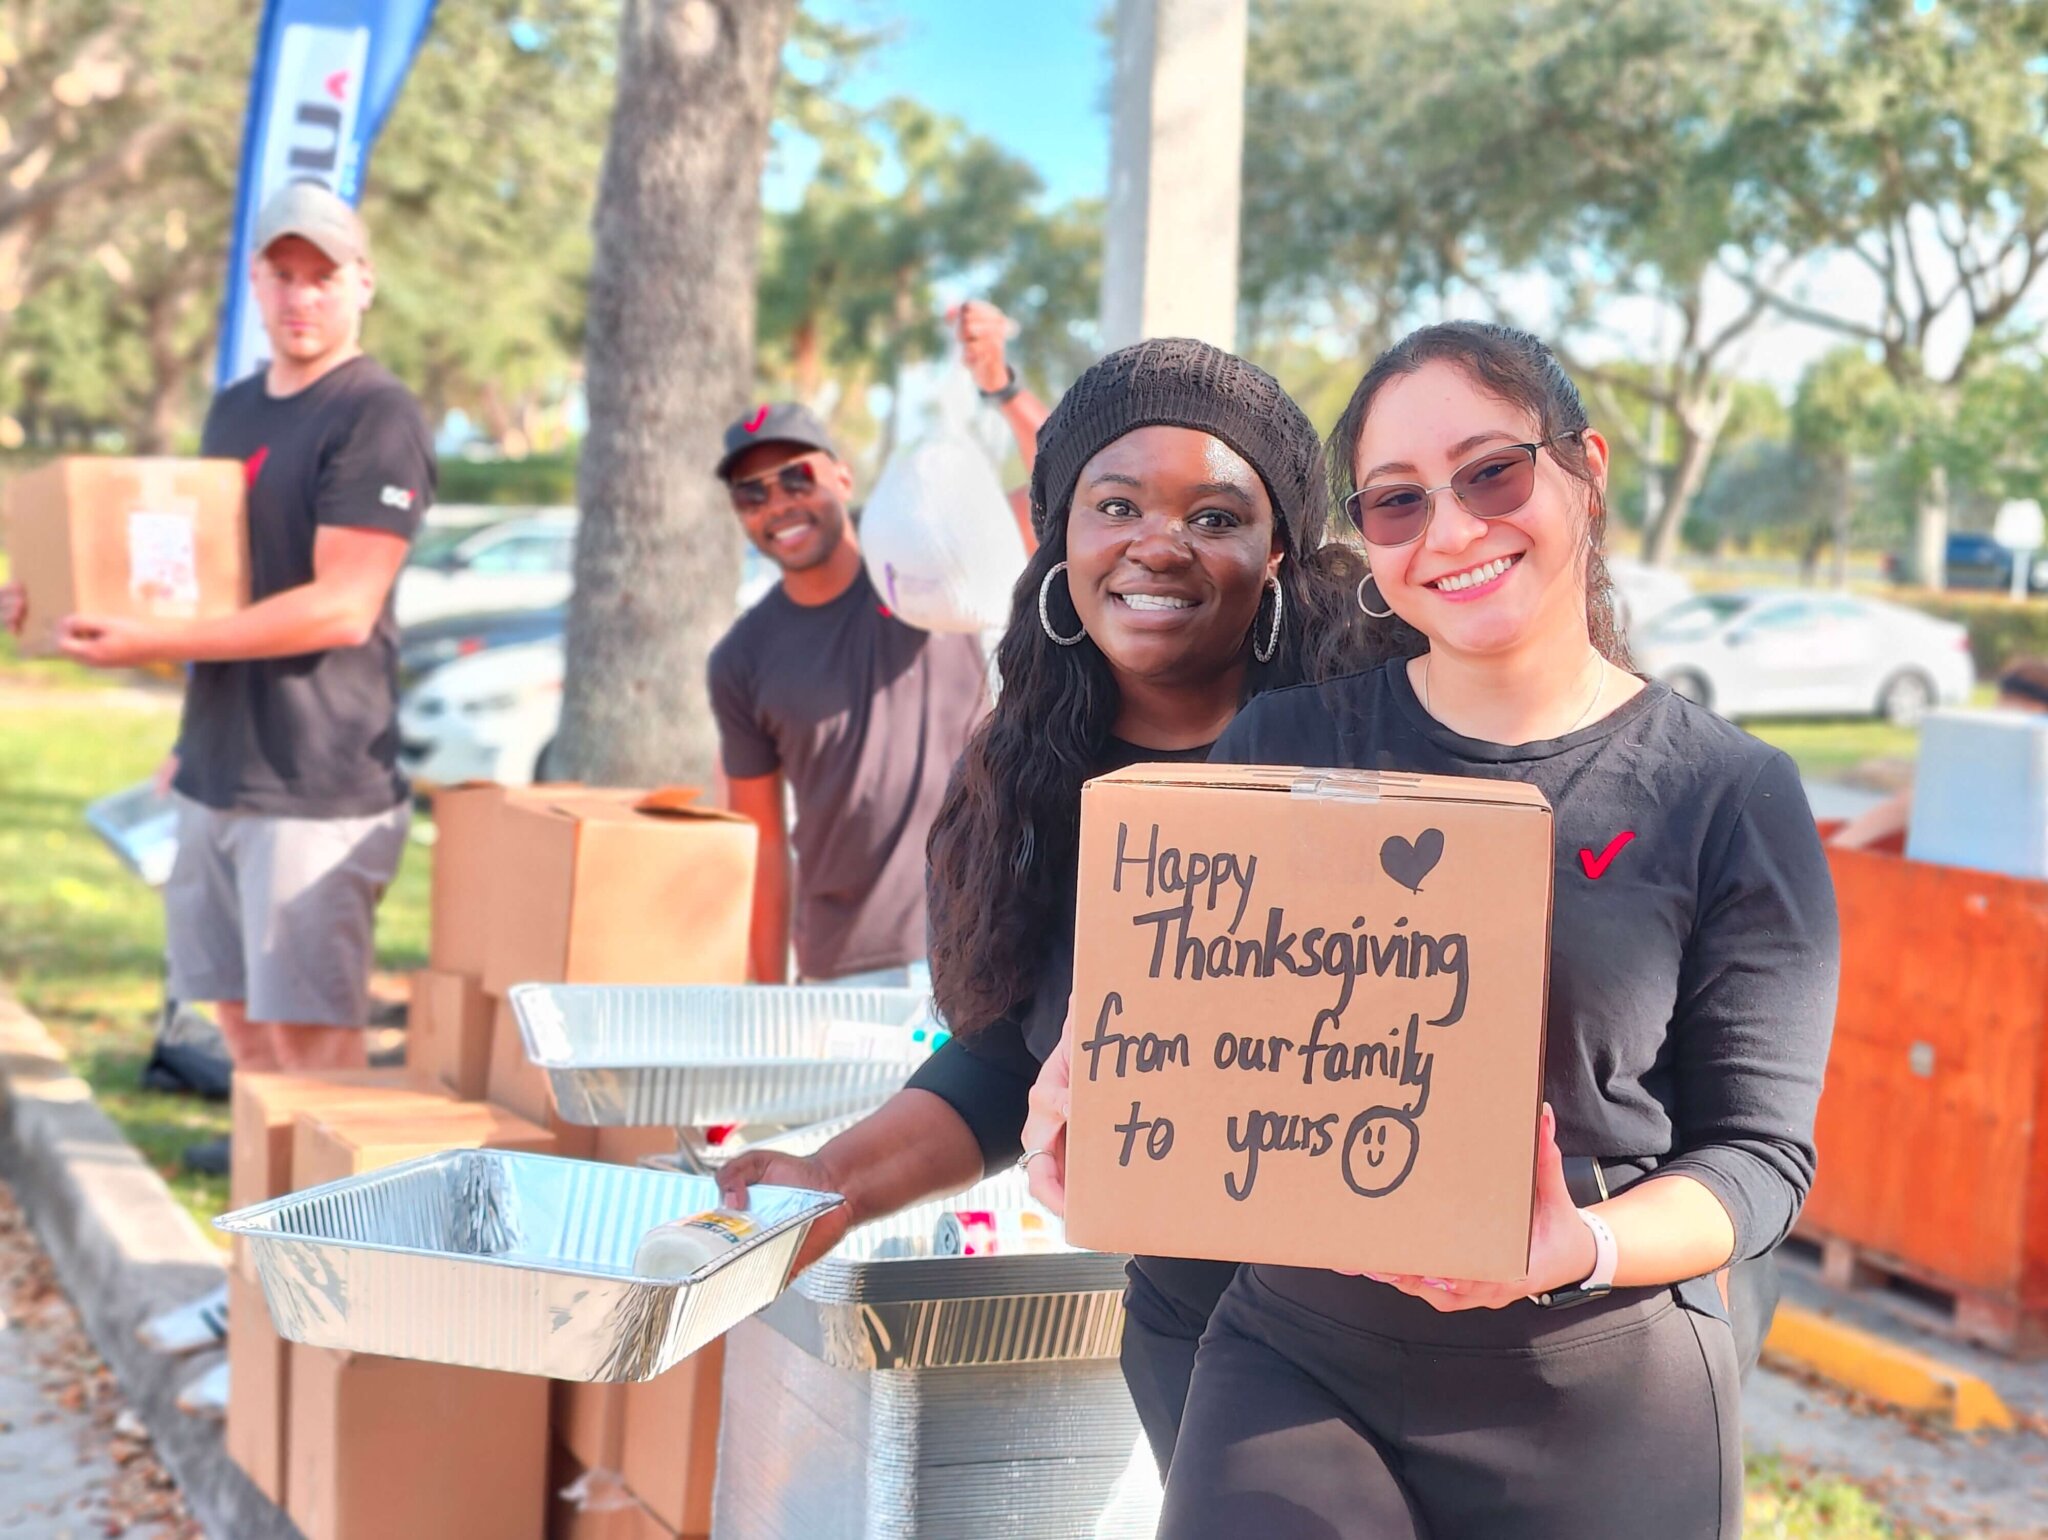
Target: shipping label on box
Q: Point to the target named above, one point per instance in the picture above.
(1308, 1018)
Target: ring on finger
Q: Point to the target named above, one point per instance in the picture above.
(1024, 1160)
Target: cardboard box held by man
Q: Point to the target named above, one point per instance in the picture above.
(1308, 1018)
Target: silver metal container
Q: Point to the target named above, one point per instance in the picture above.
(1048, 1451)
(884, 1299)
(634, 1055)
(499, 1260)
(140, 825)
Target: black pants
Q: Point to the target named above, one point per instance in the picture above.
(1616, 1420)
(1167, 1306)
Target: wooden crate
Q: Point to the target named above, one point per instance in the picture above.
(1933, 1128)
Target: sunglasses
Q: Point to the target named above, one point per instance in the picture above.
(1492, 486)
(795, 478)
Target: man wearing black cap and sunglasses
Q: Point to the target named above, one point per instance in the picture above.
(822, 694)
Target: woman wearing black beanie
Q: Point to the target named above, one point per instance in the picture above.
(1180, 506)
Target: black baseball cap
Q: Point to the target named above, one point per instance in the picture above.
(774, 422)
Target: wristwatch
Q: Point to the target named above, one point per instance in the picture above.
(1008, 391)
(1597, 1283)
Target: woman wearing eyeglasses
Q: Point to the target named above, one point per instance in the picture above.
(1181, 567)
(1692, 984)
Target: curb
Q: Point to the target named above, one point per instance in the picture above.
(1884, 1371)
(123, 1250)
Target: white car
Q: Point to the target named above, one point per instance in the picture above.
(492, 716)
(1642, 593)
(1796, 652)
(516, 564)
(487, 717)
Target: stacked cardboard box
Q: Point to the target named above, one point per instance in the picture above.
(262, 1114)
(670, 1438)
(343, 1478)
(569, 884)
(544, 884)
(381, 1447)
(588, 1504)
(657, 1443)
(305, 1423)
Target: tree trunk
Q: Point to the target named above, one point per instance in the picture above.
(669, 354)
(1698, 432)
(1930, 530)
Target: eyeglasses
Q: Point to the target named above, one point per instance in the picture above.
(795, 478)
(1492, 486)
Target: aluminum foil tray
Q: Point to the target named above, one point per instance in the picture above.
(882, 1300)
(499, 1260)
(140, 825)
(634, 1055)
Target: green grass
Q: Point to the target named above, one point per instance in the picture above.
(1787, 1502)
(1828, 749)
(81, 941)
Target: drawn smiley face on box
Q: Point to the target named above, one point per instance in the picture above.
(1379, 1150)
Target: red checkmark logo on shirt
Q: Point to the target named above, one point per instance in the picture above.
(1596, 866)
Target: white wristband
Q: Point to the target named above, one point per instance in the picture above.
(1605, 1254)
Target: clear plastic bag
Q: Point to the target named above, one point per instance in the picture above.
(940, 540)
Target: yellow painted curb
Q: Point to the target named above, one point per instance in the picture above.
(1884, 1371)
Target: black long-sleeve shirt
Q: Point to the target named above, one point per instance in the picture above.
(986, 1076)
(1694, 948)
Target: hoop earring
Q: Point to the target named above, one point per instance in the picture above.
(1265, 654)
(1385, 614)
(1045, 612)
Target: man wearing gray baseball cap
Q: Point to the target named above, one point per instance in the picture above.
(292, 807)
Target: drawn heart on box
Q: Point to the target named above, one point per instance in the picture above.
(1409, 863)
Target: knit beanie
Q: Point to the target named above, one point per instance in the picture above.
(1181, 383)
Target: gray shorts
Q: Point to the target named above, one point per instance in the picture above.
(277, 912)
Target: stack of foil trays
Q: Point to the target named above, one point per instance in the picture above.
(893, 1394)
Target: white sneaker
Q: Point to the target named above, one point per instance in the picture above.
(206, 1393)
(201, 1324)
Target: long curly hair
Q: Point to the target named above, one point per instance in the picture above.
(1521, 370)
(1004, 846)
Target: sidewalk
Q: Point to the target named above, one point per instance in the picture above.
(122, 1249)
(74, 1459)
(1980, 1485)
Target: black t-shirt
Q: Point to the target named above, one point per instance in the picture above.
(986, 1075)
(865, 717)
(313, 736)
(1694, 949)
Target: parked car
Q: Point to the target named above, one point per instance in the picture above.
(426, 647)
(518, 564)
(1797, 652)
(1642, 593)
(487, 717)
(491, 714)
(1975, 560)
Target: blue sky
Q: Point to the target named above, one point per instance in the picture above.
(1029, 74)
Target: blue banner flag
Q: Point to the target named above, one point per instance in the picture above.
(327, 73)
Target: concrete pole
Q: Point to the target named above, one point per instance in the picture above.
(1169, 254)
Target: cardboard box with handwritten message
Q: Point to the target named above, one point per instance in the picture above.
(1308, 1018)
